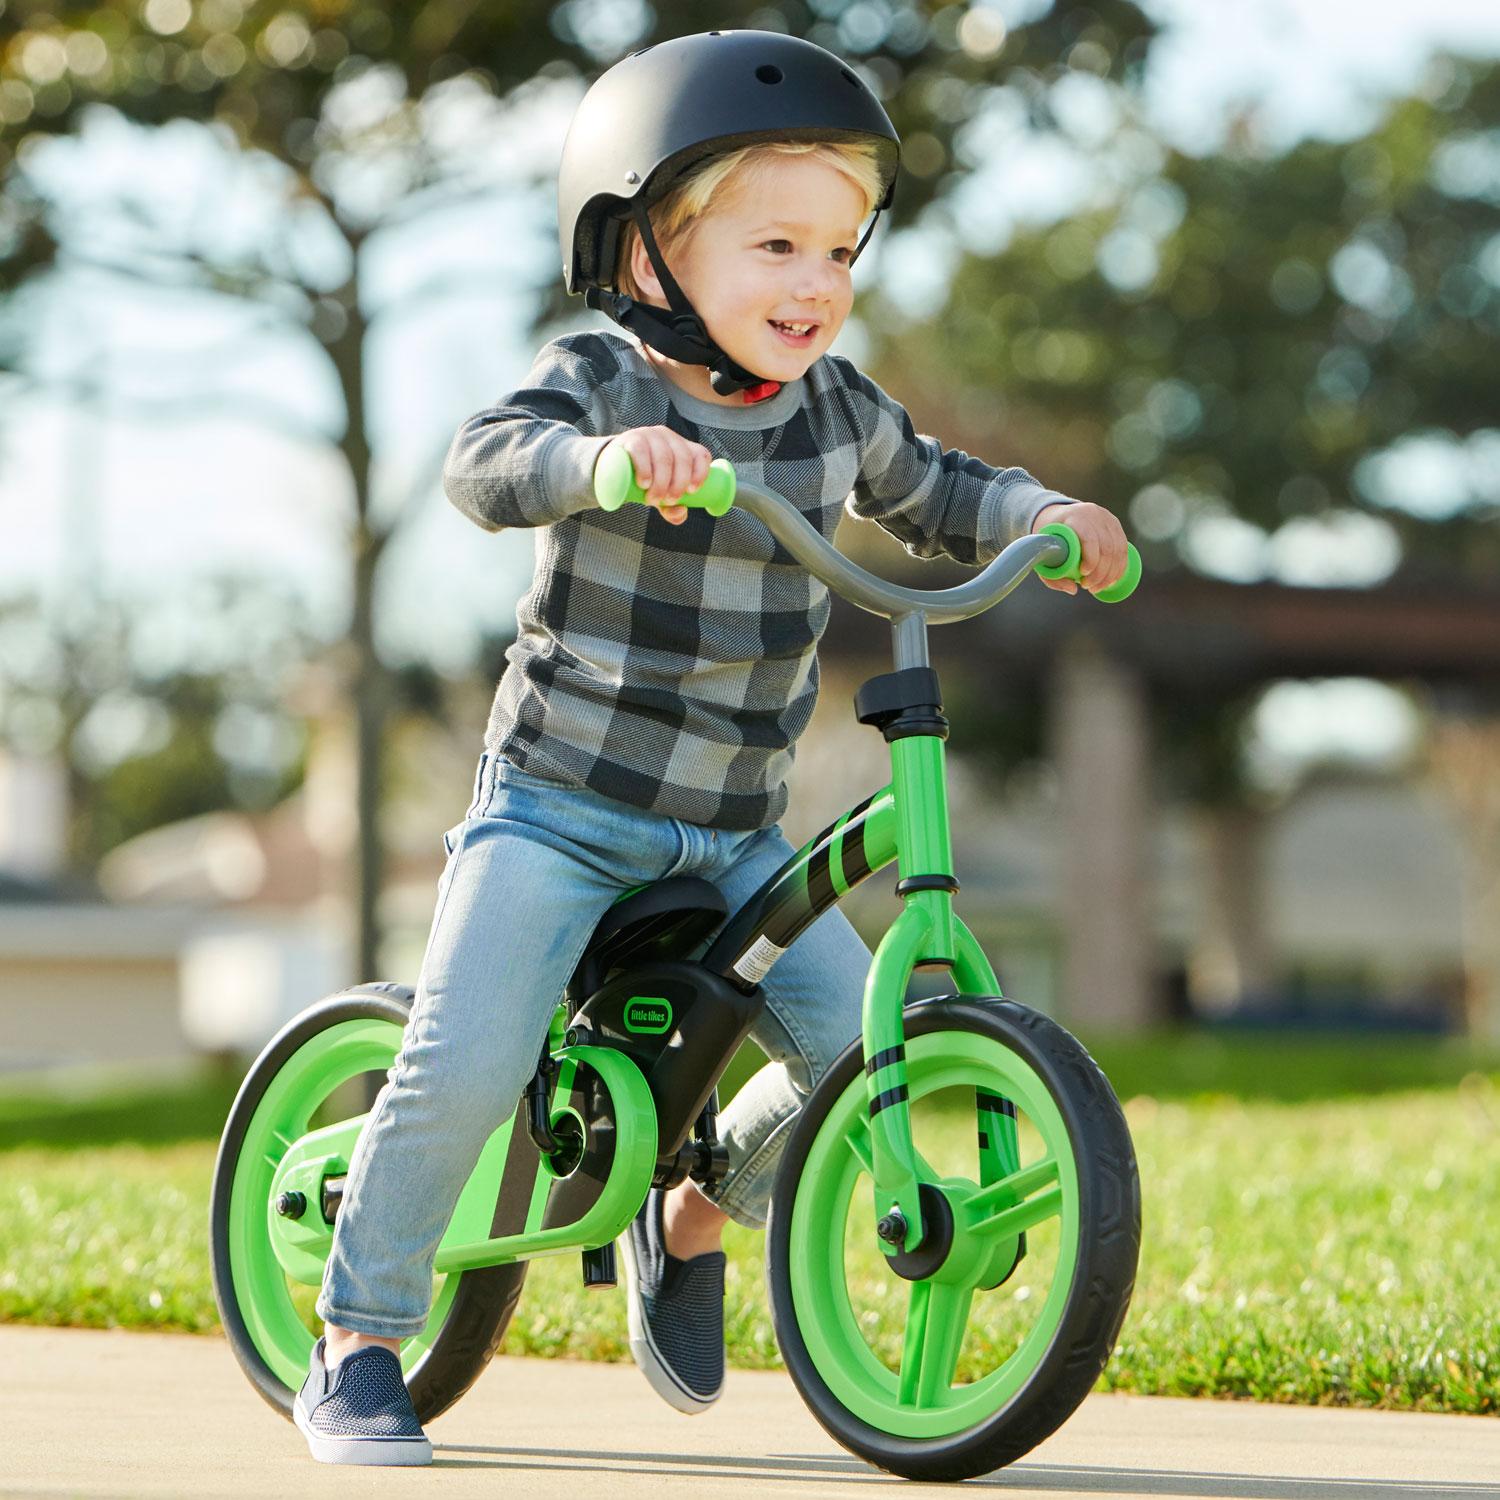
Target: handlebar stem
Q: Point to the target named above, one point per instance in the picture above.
(909, 636)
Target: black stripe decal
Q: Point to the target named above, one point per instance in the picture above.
(786, 918)
(820, 878)
(885, 1058)
(856, 865)
(986, 1100)
(886, 1099)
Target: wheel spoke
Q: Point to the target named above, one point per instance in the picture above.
(858, 1141)
(1023, 1216)
(1010, 1190)
(936, 1317)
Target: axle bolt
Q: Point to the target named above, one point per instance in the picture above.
(291, 1205)
(892, 1228)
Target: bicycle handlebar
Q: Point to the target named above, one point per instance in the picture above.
(1053, 551)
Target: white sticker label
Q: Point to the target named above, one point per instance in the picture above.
(755, 962)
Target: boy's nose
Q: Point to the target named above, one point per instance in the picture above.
(815, 294)
(817, 287)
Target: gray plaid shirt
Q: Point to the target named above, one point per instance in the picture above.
(674, 667)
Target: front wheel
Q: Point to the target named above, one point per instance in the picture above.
(961, 1373)
(315, 1076)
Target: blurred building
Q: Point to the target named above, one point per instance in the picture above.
(82, 980)
(184, 946)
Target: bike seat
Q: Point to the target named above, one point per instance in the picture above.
(665, 920)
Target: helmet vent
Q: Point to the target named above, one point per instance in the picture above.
(768, 74)
(850, 78)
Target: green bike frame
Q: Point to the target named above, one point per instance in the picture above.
(905, 822)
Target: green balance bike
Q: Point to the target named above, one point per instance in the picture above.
(955, 1222)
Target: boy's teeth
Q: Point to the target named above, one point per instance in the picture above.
(797, 328)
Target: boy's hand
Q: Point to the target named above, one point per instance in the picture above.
(1101, 540)
(667, 465)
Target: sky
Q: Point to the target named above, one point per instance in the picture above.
(200, 439)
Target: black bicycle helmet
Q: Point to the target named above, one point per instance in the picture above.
(656, 114)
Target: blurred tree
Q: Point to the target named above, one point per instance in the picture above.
(207, 727)
(1250, 342)
(377, 114)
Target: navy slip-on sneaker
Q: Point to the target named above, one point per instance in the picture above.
(676, 1313)
(361, 1413)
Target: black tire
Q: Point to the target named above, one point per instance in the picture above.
(1109, 1222)
(485, 1299)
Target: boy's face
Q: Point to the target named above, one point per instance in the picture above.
(772, 250)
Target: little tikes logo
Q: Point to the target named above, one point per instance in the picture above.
(648, 1015)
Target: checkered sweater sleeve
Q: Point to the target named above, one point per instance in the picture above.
(934, 499)
(529, 459)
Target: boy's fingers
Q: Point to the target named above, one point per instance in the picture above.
(682, 472)
(661, 472)
(640, 462)
(695, 467)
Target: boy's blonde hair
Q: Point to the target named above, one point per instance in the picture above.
(674, 217)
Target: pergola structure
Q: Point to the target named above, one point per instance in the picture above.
(1184, 638)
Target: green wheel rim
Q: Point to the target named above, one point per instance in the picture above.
(826, 1318)
(261, 1290)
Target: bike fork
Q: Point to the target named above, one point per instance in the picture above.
(914, 938)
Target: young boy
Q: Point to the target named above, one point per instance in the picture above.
(664, 666)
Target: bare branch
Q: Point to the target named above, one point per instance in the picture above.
(436, 288)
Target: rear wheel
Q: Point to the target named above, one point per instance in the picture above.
(963, 1372)
(315, 1074)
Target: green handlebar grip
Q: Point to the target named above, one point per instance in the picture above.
(614, 484)
(1122, 588)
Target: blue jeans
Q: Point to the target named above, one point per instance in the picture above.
(530, 871)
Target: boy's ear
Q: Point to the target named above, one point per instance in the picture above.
(644, 273)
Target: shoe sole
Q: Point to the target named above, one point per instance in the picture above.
(388, 1452)
(644, 1351)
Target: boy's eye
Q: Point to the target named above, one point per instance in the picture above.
(843, 253)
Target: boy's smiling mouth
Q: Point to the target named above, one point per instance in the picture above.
(799, 335)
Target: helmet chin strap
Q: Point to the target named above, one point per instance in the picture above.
(680, 333)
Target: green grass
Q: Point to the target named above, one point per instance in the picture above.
(1288, 1066)
(1165, 1065)
(1338, 1251)
(191, 1109)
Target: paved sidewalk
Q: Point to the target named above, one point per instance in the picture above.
(140, 1414)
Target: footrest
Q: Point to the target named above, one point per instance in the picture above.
(599, 1266)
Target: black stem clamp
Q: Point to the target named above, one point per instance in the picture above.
(903, 703)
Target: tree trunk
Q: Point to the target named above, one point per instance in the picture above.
(368, 685)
